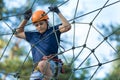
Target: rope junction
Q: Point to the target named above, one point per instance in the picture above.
(84, 46)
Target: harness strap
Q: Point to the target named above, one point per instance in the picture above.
(36, 68)
(59, 61)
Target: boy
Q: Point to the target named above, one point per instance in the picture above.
(44, 43)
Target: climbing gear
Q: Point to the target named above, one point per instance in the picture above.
(54, 9)
(39, 15)
(56, 65)
(57, 61)
(28, 14)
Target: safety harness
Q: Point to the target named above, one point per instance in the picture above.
(57, 61)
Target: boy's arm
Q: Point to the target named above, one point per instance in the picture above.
(65, 24)
(20, 31)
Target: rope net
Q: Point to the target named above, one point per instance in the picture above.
(80, 47)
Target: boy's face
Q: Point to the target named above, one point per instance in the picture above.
(41, 26)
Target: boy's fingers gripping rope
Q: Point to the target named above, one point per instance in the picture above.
(28, 14)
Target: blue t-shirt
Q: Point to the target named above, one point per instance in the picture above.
(46, 43)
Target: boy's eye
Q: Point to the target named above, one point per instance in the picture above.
(41, 23)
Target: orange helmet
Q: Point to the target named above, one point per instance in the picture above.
(39, 15)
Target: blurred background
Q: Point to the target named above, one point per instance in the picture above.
(90, 49)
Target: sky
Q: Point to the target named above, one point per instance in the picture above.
(107, 16)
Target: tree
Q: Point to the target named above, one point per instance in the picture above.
(13, 15)
(13, 59)
(115, 73)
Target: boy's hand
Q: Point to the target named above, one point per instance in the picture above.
(54, 9)
(28, 14)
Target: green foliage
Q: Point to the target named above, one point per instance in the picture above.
(2, 43)
(2, 9)
(115, 30)
(67, 73)
(7, 65)
(115, 72)
(14, 61)
(112, 29)
(70, 73)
